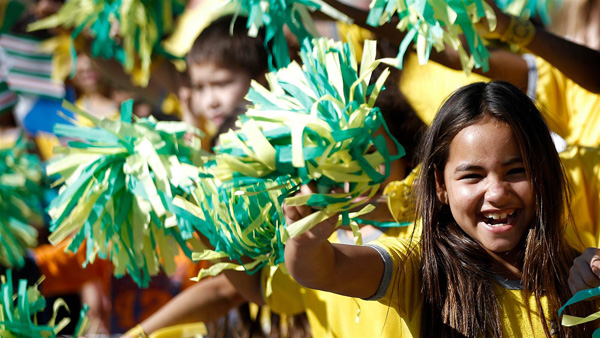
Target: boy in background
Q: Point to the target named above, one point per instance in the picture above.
(221, 67)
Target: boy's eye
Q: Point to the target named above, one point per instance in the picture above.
(223, 83)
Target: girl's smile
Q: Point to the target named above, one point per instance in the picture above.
(486, 186)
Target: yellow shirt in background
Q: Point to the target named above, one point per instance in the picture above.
(571, 111)
(582, 166)
(427, 86)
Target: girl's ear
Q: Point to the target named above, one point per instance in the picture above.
(440, 187)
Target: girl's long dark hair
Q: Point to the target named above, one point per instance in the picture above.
(457, 273)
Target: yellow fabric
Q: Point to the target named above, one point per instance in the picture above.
(192, 22)
(354, 35)
(46, 143)
(400, 199)
(332, 315)
(582, 166)
(404, 298)
(572, 112)
(427, 86)
(181, 331)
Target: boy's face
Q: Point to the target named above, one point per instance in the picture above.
(216, 91)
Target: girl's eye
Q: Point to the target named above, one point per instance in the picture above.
(471, 177)
(516, 171)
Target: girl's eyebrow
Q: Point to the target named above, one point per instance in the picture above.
(472, 167)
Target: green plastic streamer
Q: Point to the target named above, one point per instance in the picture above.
(436, 23)
(129, 31)
(241, 221)
(583, 295)
(531, 8)
(18, 309)
(316, 123)
(275, 15)
(119, 181)
(21, 196)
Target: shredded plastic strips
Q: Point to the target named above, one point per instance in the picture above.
(274, 15)
(434, 23)
(21, 196)
(119, 180)
(316, 123)
(582, 295)
(129, 31)
(530, 8)
(19, 307)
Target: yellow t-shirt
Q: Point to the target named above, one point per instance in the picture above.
(571, 111)
(329, 314)
(401, 287)
(582, 166)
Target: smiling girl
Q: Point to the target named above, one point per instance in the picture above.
(492, 260)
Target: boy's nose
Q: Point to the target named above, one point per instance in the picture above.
(210, 99)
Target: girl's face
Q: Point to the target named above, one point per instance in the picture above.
(486, 186)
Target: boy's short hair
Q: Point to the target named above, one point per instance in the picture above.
(226, 43)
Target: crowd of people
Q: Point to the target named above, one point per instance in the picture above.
(499, 190)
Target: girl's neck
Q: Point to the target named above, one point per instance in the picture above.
(508, 264)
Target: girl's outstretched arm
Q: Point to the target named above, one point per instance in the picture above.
(314, 262)
(585, 272)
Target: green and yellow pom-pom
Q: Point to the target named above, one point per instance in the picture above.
(21, 195)
(18, 309)
(240, 221)
(119, 181)
(437, 23)
(129, 31)
(317, 122)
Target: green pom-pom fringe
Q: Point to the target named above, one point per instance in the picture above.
(436, 23)
(128, 31)
(18, 310)
(316, 123)
(530, 8)
(21, 196)
(274, 15)
(119, 181)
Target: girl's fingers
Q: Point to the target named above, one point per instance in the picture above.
(586, 275)
(576, 285)
(585, 272)
(291, 214)
(595, 263)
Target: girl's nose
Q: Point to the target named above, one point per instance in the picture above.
(497, 193)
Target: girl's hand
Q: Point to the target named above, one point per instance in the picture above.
(319, 232)
(585, 272)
